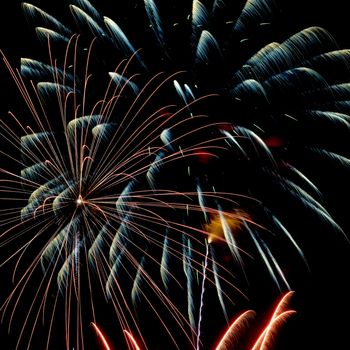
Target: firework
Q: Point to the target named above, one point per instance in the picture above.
(101, 336)
(238, 327)
(154, 171)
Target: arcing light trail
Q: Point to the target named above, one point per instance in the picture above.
(239, 331)
(101, 336)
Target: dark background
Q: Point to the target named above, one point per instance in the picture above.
(323, 304)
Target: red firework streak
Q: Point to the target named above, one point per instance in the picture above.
(236, 330)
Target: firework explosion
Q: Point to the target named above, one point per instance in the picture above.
(159, 164)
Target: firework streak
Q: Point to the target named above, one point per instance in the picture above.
(156, 167)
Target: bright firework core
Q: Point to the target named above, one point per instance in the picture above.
(79, 200)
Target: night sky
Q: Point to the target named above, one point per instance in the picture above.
(322, 300)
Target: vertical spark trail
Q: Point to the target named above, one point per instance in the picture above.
(202, 294)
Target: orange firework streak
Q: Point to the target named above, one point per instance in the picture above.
(265, 340)
(279, 316)
(132, 340)
(128, 335)
(236, 329)
(101, 336)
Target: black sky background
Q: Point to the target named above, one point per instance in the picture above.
(323, 305)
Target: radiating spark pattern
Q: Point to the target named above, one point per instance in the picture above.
(146, 182)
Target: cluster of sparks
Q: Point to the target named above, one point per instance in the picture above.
(65, 195)
(122, 188)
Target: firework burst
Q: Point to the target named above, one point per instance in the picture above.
(153, 170)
